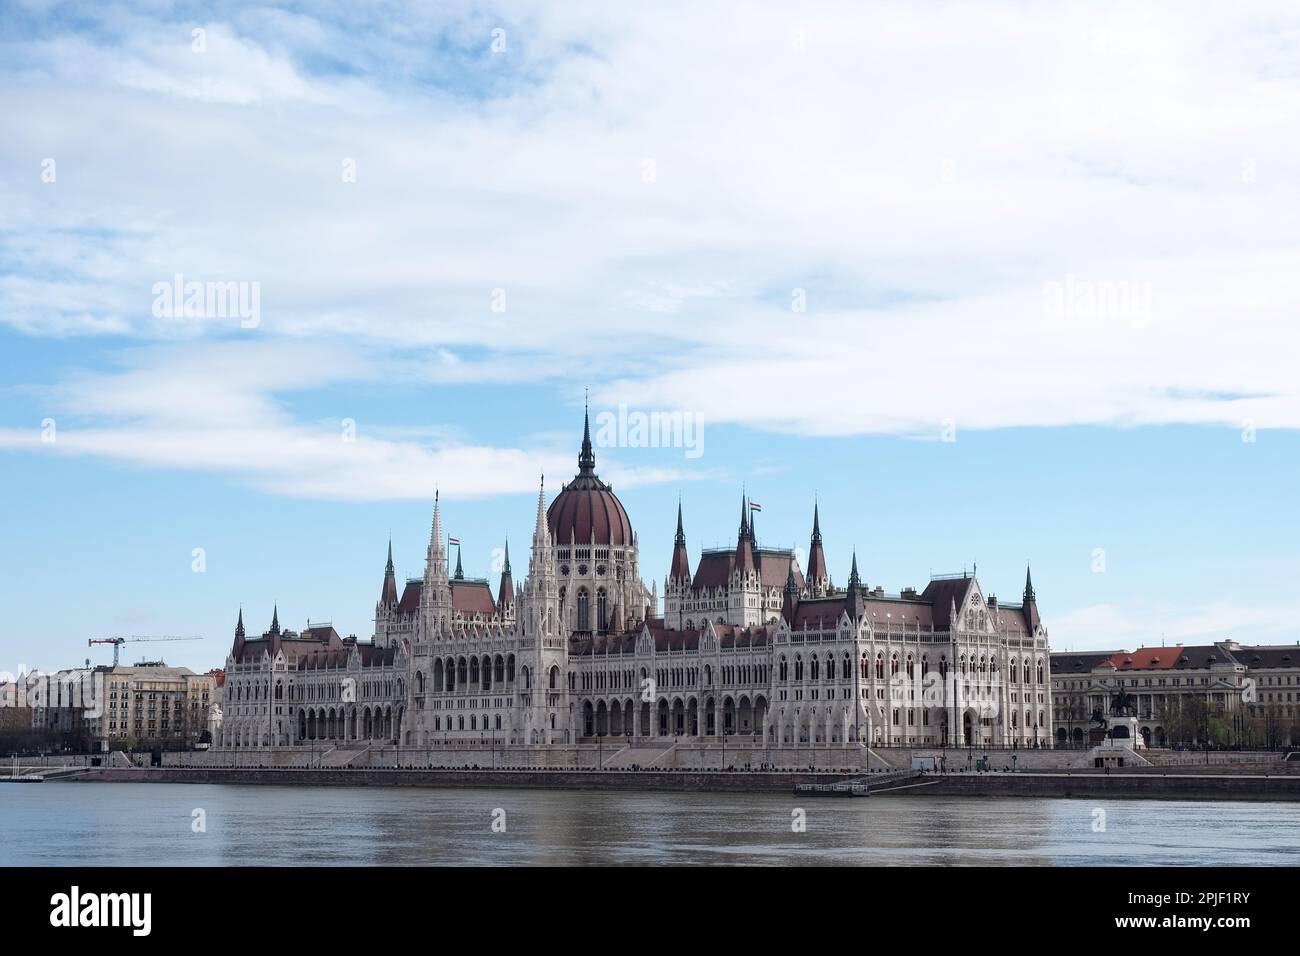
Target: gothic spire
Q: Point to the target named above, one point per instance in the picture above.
(388, 594)
(1031, 603)
(586, 460)
(239, 625)
(460, 575)
(816, 575)
(790, 602)
(506, 592)
(744, 546)
(681, 567)
(435, 567)
(541, 532)
(853, 600)
(275, 620)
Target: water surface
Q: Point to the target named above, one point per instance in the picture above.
(114, 824)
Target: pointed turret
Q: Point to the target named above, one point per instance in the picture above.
(388, 596)
(744, 543)
(541, 532)
(853, 602)
(816, 576)
(1031, 602)
(790, 603)
(681, 567)
(239, 625)
(435, 567)
(460, 575)
(275, 621)
(506, 593)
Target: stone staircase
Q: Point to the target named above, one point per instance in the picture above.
(345, 757)
(642, 755)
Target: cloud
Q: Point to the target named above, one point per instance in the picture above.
(1075, 220)
(220, 408)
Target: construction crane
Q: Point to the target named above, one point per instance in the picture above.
(117, 642)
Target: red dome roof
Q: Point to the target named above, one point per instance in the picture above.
(583, 509)
(588, 506)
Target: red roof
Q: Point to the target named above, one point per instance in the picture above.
(941, 594)
(1169, 658)
(588, 507)
(472, 597)
(410, 602)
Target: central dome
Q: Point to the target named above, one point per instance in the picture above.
(587, 506)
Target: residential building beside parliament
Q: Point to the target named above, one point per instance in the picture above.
(748, 645)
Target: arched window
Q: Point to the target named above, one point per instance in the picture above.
(555, 677)
(784, 668)
(584, 610)
(602, 610)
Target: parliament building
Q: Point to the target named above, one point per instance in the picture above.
(746, 647)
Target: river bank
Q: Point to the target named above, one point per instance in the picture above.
(1130, 785)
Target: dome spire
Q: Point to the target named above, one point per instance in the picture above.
(586, 460)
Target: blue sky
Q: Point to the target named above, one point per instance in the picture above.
(835, 237)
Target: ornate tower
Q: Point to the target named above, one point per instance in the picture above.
(544, 647)
(677, 586)
(435, 595)
(745, 597)
(386, 606)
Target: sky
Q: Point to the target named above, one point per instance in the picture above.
(994, 286)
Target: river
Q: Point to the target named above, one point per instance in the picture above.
(111, 824)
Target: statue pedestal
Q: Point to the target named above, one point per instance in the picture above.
(1123, 733)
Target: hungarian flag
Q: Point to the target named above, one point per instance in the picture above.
(451, 540)
(755, 506)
